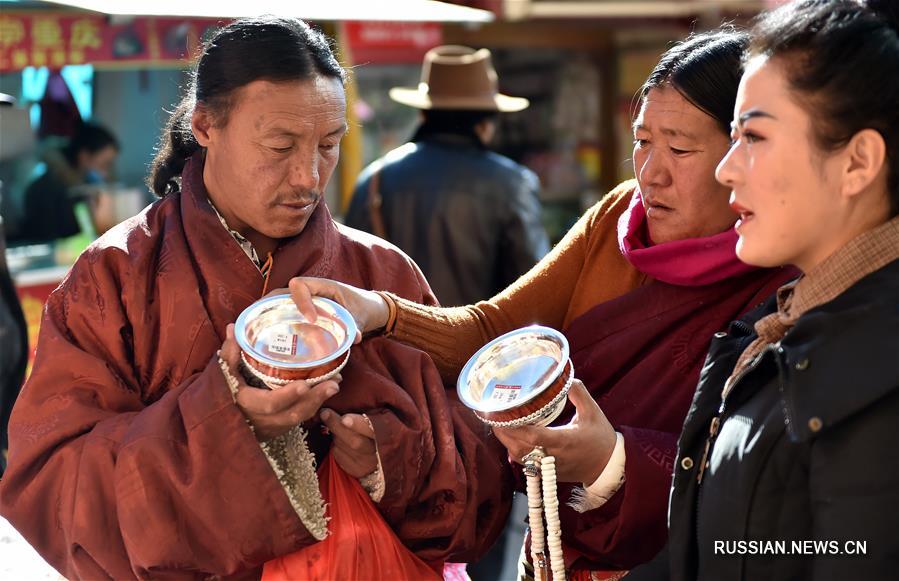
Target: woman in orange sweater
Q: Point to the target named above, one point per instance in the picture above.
(639, 285)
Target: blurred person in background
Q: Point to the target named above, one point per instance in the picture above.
(469, 217)
(73, 176)
(14, 350)
(13, 330)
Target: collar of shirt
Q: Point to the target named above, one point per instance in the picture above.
(244, 244)
(863, 255)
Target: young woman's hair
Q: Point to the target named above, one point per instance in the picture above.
(705, 69)
(841, 59)
(251, 49)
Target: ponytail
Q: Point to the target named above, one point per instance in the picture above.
(175, 148)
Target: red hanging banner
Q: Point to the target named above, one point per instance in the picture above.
(53, 39)
(391, 42)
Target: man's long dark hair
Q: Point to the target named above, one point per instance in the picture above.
(251, 49)
(452, 122)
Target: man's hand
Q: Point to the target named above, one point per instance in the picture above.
(274, 412)
(582, 447)
(354, 442)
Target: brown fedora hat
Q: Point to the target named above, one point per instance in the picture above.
(458, 77)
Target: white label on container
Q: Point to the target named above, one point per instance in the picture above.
(505, 393)
(284, 344)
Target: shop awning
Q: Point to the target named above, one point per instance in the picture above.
(316, 10)
(553, 9)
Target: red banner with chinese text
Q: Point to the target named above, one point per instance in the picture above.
(52, 39)
(391, 42)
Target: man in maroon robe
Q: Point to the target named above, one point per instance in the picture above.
(130, 453)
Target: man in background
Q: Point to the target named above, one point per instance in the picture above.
(470, 218)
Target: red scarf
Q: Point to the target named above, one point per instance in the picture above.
(688, 262)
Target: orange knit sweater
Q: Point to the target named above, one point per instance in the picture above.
(585, 269)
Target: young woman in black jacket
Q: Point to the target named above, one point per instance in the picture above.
(787, 466)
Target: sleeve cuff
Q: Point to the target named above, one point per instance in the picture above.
(597, 493)
(374, 484)
(387, 330)
(294, 466)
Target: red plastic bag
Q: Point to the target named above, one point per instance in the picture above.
(361, 545)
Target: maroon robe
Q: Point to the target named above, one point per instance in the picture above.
(640, 356)
(128, 456)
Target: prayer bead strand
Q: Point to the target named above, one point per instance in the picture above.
(540, 469)
(553, 524)
(535, 511)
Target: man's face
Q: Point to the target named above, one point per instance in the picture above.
(268, 163)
